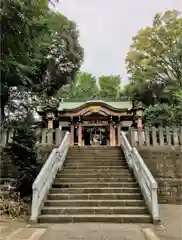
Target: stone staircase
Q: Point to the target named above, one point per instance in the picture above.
(95, 185)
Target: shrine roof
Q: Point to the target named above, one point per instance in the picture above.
(118, 105)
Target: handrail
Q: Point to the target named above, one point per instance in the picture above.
(143, 175)
(47, 175)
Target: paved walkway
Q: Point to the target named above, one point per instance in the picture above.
(171, 216)
(94, 231)
(171, 220)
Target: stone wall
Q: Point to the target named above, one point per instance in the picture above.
(165, 163)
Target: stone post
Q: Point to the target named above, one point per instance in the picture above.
(119, 133)
(111, 134)
(50, 124)
(72, 134)
(50, 118)
(114, 136)
(80, 134)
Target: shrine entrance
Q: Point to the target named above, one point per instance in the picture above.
(96, 136)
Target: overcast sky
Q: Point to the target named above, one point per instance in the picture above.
(107, 27)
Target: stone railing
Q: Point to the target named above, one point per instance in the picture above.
(44, 136)
(146, 181)
(47, 175)
(152, 136)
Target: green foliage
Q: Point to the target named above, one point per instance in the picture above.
(64, 56)
(40, 49)
(86, 87)
(163, 115)
(109, 87)
(154, 64)
(154, 61)
(21, 150)
(22, 153)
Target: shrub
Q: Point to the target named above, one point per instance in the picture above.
(22, 153)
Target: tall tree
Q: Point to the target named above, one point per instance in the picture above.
(154, 61)
(109, 87)
(37, 48)
(23, 24)
(63, 57)
(83, 88)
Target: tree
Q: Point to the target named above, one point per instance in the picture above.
(23, 27)
(63, 57)
(154, 61)
(83, 88)
(109, 87)
(36, 48)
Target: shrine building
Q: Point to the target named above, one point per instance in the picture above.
(94, 122)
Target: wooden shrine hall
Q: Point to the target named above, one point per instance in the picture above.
(93, 122)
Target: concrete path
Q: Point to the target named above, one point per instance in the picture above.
(170, 229)
(93, 231)
(15, 231)
(171, 221)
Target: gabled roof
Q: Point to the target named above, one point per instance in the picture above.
(115, 105)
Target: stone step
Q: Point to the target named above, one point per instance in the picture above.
(94, 180)
(95, 190)
(95, 155)
(86, 148)
(92, 156)
(93, 175)
(94, 203)
(96, 152)
(94, 210)
(95, 163)
(93, 167)
(90, 171)
(95, 160)
(94, 196)
(94, 185)
(103, 218)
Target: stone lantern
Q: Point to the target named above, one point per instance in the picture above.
(50, 117)
(139, 110)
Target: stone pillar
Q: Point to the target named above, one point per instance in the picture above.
(80, 134)
(50, 117)
(119, 134)
(111, 134)
(50, 124)
(72, 134)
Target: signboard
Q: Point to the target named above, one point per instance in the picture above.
(94, 108)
